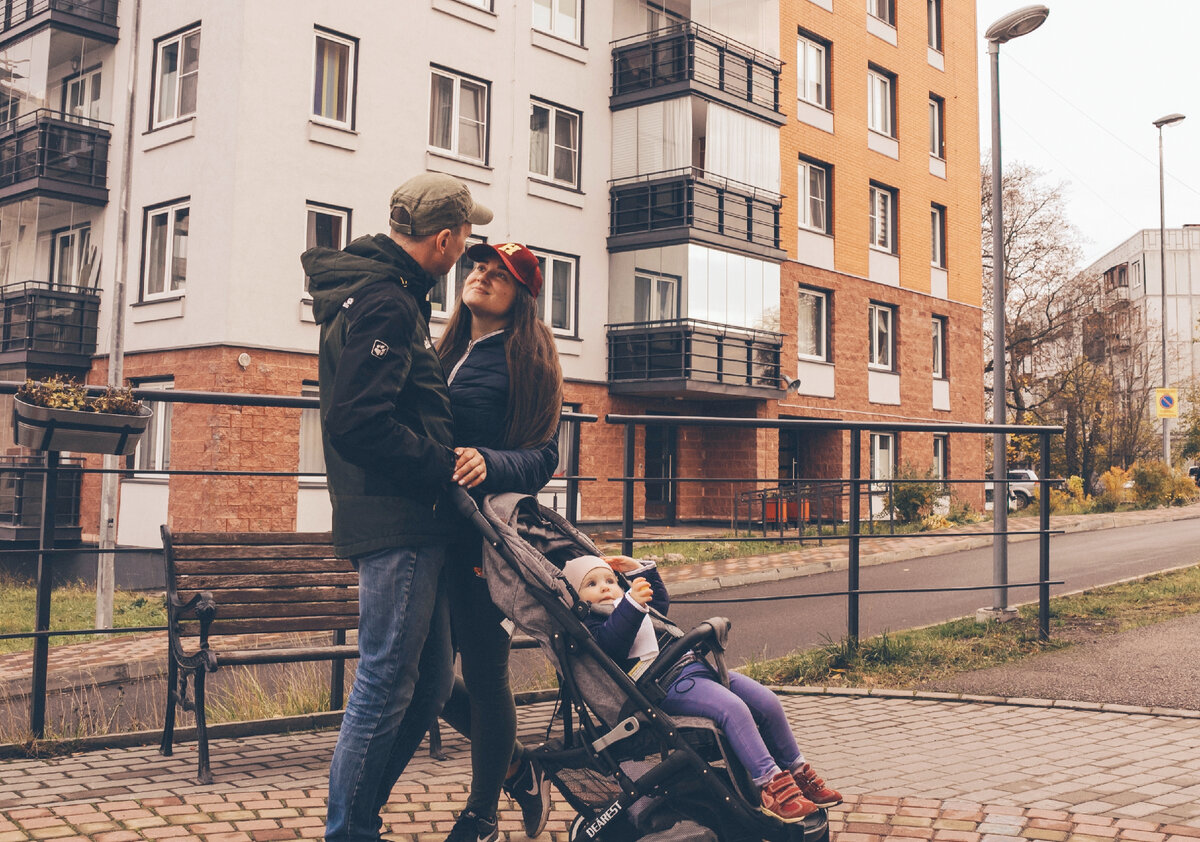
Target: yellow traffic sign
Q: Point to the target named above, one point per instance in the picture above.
(1166, 403)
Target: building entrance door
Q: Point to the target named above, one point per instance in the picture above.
(660, 474)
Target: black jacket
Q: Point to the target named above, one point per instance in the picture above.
(385, 411)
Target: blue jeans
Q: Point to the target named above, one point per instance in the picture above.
(405, 671)
(749, 714)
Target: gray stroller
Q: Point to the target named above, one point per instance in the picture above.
(630, 770)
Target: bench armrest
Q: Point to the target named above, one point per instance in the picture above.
(205, 609)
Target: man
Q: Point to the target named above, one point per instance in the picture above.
(387, 431)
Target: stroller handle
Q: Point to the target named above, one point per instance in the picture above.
(466, 506)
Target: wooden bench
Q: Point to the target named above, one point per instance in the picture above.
(223, 585)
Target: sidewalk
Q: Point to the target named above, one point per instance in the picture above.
(933, 766)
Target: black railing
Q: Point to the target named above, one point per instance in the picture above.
(79, 15)
(696, 354)
(21, 479)
(42, 324)
(51, 153)
(689, 56)
(662, 207)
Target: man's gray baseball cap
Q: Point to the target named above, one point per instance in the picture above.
(431, 202)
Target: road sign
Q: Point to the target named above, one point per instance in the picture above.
(1166, 403)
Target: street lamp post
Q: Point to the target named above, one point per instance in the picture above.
(1013, 25)
(1169, 120)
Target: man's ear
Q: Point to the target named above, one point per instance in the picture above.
(443, 239)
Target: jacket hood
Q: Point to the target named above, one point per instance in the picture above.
(334, 276)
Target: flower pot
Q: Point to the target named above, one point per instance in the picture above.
(42, 428)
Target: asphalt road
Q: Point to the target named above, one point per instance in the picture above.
(1084, 559)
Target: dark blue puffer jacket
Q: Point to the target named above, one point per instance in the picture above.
(478, 401)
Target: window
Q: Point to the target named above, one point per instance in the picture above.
(568, 430)
(659, 17)
(937, 217)
(556, 302)
(882, 339)
(71, 263)
(885, 10)
(177, 59)
(81, 95)
(937, 122)
(154, 450)
(554, 143)
(328, 227)
(812, 326)
(883, 218)
(881, 106)
(883, 456)
(935, 24)
(558, 17)
(655, 297)
(458, 115)
(334, 65)
(939, 347)
(814, 192)
(164, 258)
(941, 462)
(445, 292)
(811, 71)
(312, 451)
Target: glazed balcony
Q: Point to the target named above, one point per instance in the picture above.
(688, 358)
(21, 481)
(685, 205)
(96, 19)
(46, 329)
(54, 155)
(688, 59)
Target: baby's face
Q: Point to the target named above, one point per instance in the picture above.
(599, 586)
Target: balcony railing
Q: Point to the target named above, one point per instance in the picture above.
(687, 205)
(692, 358)
(48, 153)
(21, 480)
(688, 57)
(90, 18)
(48, 328)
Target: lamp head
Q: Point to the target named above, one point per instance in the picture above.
(1169, 120)
(1015, 24)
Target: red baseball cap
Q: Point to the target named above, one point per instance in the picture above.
(520, 261)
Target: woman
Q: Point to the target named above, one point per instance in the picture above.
(506, 395)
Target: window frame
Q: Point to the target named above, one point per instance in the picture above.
(552, 143)
(938, 327)
(452, 282)
(345, 214)
(937, 231)
(552, 30)
(455, 138)
(156, 82)
(877, 439)
(310, 419)
(91, 79)
(75, 234)
(655, 279)
(823, 353)
(545, 299)
(878, 190)
(320, 32)
(941, 459)
(933, 23)
(937, 127)
(875, 76)
(804, 42)
(157, 431)
(875, 310)
(804, 205)
(888, 7)
(169, 208)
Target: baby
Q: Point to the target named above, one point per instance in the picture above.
(790, 788)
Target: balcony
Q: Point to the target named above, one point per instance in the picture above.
(691, 59)
(46, 329)
(51, 154)
(90, 18)
(687, 358)
(21, 498)
(685, 205)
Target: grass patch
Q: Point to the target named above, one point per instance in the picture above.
(71, 607)
(908, 659)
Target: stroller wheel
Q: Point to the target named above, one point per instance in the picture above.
(575, 829)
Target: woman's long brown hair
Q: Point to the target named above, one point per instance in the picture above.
(535, 390)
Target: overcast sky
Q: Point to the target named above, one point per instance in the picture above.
(1078, 98)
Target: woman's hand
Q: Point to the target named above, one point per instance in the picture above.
(469, 469)
(640, 591)
(623, 563)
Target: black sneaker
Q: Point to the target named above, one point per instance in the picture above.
(471, 827)
(530, 789)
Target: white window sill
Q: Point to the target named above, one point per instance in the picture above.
(158, 309)
(883, 144)
(475, 171)
(559, 46)
(827, 5)
(814, 115)
(554, 193)
(937, 166)
(939, 285)
(306, 313)
(881, 29)
(171, 133)
(883, 387)
(468, 12)
(936, 59)
(817, 378)
(335, 136)
(884, 267)
(941, 394)
(814, 248)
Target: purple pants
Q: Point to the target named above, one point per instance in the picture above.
(748, 713)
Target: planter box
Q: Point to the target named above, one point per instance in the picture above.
(79, 432)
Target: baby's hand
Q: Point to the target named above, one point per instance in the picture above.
(622, 563)
(640, 591)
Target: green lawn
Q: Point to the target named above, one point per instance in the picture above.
(71, 607)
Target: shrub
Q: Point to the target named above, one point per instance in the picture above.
(1183, 487)
(961, 511)
(1151, 483)
(1114, 491)
(914, 493)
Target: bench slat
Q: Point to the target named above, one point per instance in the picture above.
(282, 580)
(264, 567)
(226, 611)
(269, 552)
(256, 596)
(269, 625)
(184, 539)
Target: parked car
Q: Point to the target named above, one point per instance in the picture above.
(1194, 473)
(1022, 488)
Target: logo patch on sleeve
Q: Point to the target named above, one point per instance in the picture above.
(379, 349)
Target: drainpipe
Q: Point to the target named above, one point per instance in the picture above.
(105, 559)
